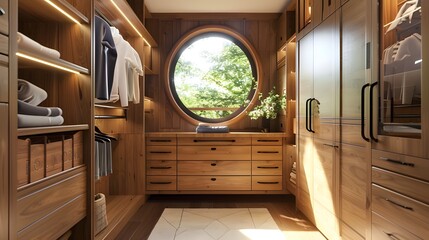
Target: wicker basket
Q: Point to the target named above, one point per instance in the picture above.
(100, 212)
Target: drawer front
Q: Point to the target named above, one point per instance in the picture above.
(410, 187)
(267, 141)
(411, 166)
(160, 183)
(400, 210)
(4, 19)
(214, 183)
(267, 168)
(213, 153)
(4, 80)
(267, 153)
(44, 202)
(161, 168)
(4, 43)
(213, 167)
(150, 141)
(382, 229)
(161, 152)
(267, 183)
(209, 141)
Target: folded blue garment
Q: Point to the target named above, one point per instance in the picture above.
(212, 129)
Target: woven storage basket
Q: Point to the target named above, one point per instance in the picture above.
(100, 212)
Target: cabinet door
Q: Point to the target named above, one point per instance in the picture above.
(305, 74)
(326, 70)
(4, 171)
(305, 164)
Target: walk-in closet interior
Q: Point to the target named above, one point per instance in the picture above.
(308, 119)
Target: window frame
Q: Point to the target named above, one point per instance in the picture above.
(186, 41)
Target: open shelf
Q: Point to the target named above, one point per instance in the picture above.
(48, 12)
(54, 129)
(124, 19)
(120, 208)
(35, 60)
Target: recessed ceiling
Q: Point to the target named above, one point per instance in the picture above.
(216, 6)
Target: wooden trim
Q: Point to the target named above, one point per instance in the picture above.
(217, 16)
(47, 130)
(221, 29)
(47, 12)
(230, 192)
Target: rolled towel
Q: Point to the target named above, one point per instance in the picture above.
(28, 109)
(293, 175)
(212, 129)
(30, 93)
(28, 44)
(38, 121)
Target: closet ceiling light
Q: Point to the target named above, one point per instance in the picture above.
(62, 11)
(128, 20)
(45, 62)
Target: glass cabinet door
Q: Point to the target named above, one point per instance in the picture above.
(400, 68)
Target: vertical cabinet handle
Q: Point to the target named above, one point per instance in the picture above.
(306, 115)
(371, 112)
(2, 11)
(311, 113)
(362, 114)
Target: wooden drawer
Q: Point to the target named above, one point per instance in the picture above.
(47, 197)
(267, 183)
(407, 186)
(267, 141)
(214, 183)
(267, 168)
(411, 166)
(4, 19)
(213, 167)
(23, 161)
(267, 153)
(218, 141)
(161, 153)
(54, 155)
(161, 167)
(160, 183)
(161, 141)
(4, 79)
(212, 153)
(4, 43)
(382, 229)
(401, 210)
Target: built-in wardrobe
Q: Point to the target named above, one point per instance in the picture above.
(361, 118)
(48, 170)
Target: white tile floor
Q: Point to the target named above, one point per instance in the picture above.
(216, 224)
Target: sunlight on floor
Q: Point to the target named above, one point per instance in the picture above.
(262, 234)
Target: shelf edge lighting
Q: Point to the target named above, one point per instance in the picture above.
(45, 62)
(128, 20)
(62, 11)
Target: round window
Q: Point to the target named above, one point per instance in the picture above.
(212, 75)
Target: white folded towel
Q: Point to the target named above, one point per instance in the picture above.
(293, 175)
(28, 44)
(38, 121)
(30, 93)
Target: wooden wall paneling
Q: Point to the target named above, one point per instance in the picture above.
(102, 186)
(4, 171)
(75, 44)
(4, 78)
(38, 32)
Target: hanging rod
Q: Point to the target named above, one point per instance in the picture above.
(110, 107)
(109, 117)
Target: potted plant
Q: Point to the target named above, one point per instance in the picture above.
(269, 106)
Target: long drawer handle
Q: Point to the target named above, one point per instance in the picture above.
(268, 151)
(392, 236)
(213, 164)
(267, 140)
(161, 182)
(330, 145)
(213, 179)
(199, 140)
(267, 167)
(268, 182)
(160, 167)
(161, 152)
(2, 12)
(397, 162)
(160, 140)
(399, 205)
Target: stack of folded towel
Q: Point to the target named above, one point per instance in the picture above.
(293, 173)
(206, 128)
(29, 113)
(27, 44)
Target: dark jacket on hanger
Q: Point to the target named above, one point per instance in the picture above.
(105, 59)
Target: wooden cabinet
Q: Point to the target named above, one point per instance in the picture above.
(4, 171)
(4, 17)
(215, 163)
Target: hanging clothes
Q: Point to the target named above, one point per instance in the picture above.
(105, 59)
(405, 13)
(103, 154)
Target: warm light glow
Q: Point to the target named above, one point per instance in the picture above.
(45, 62)
(262, 234)
(132, 25)
(418, 61)
(62, 11)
